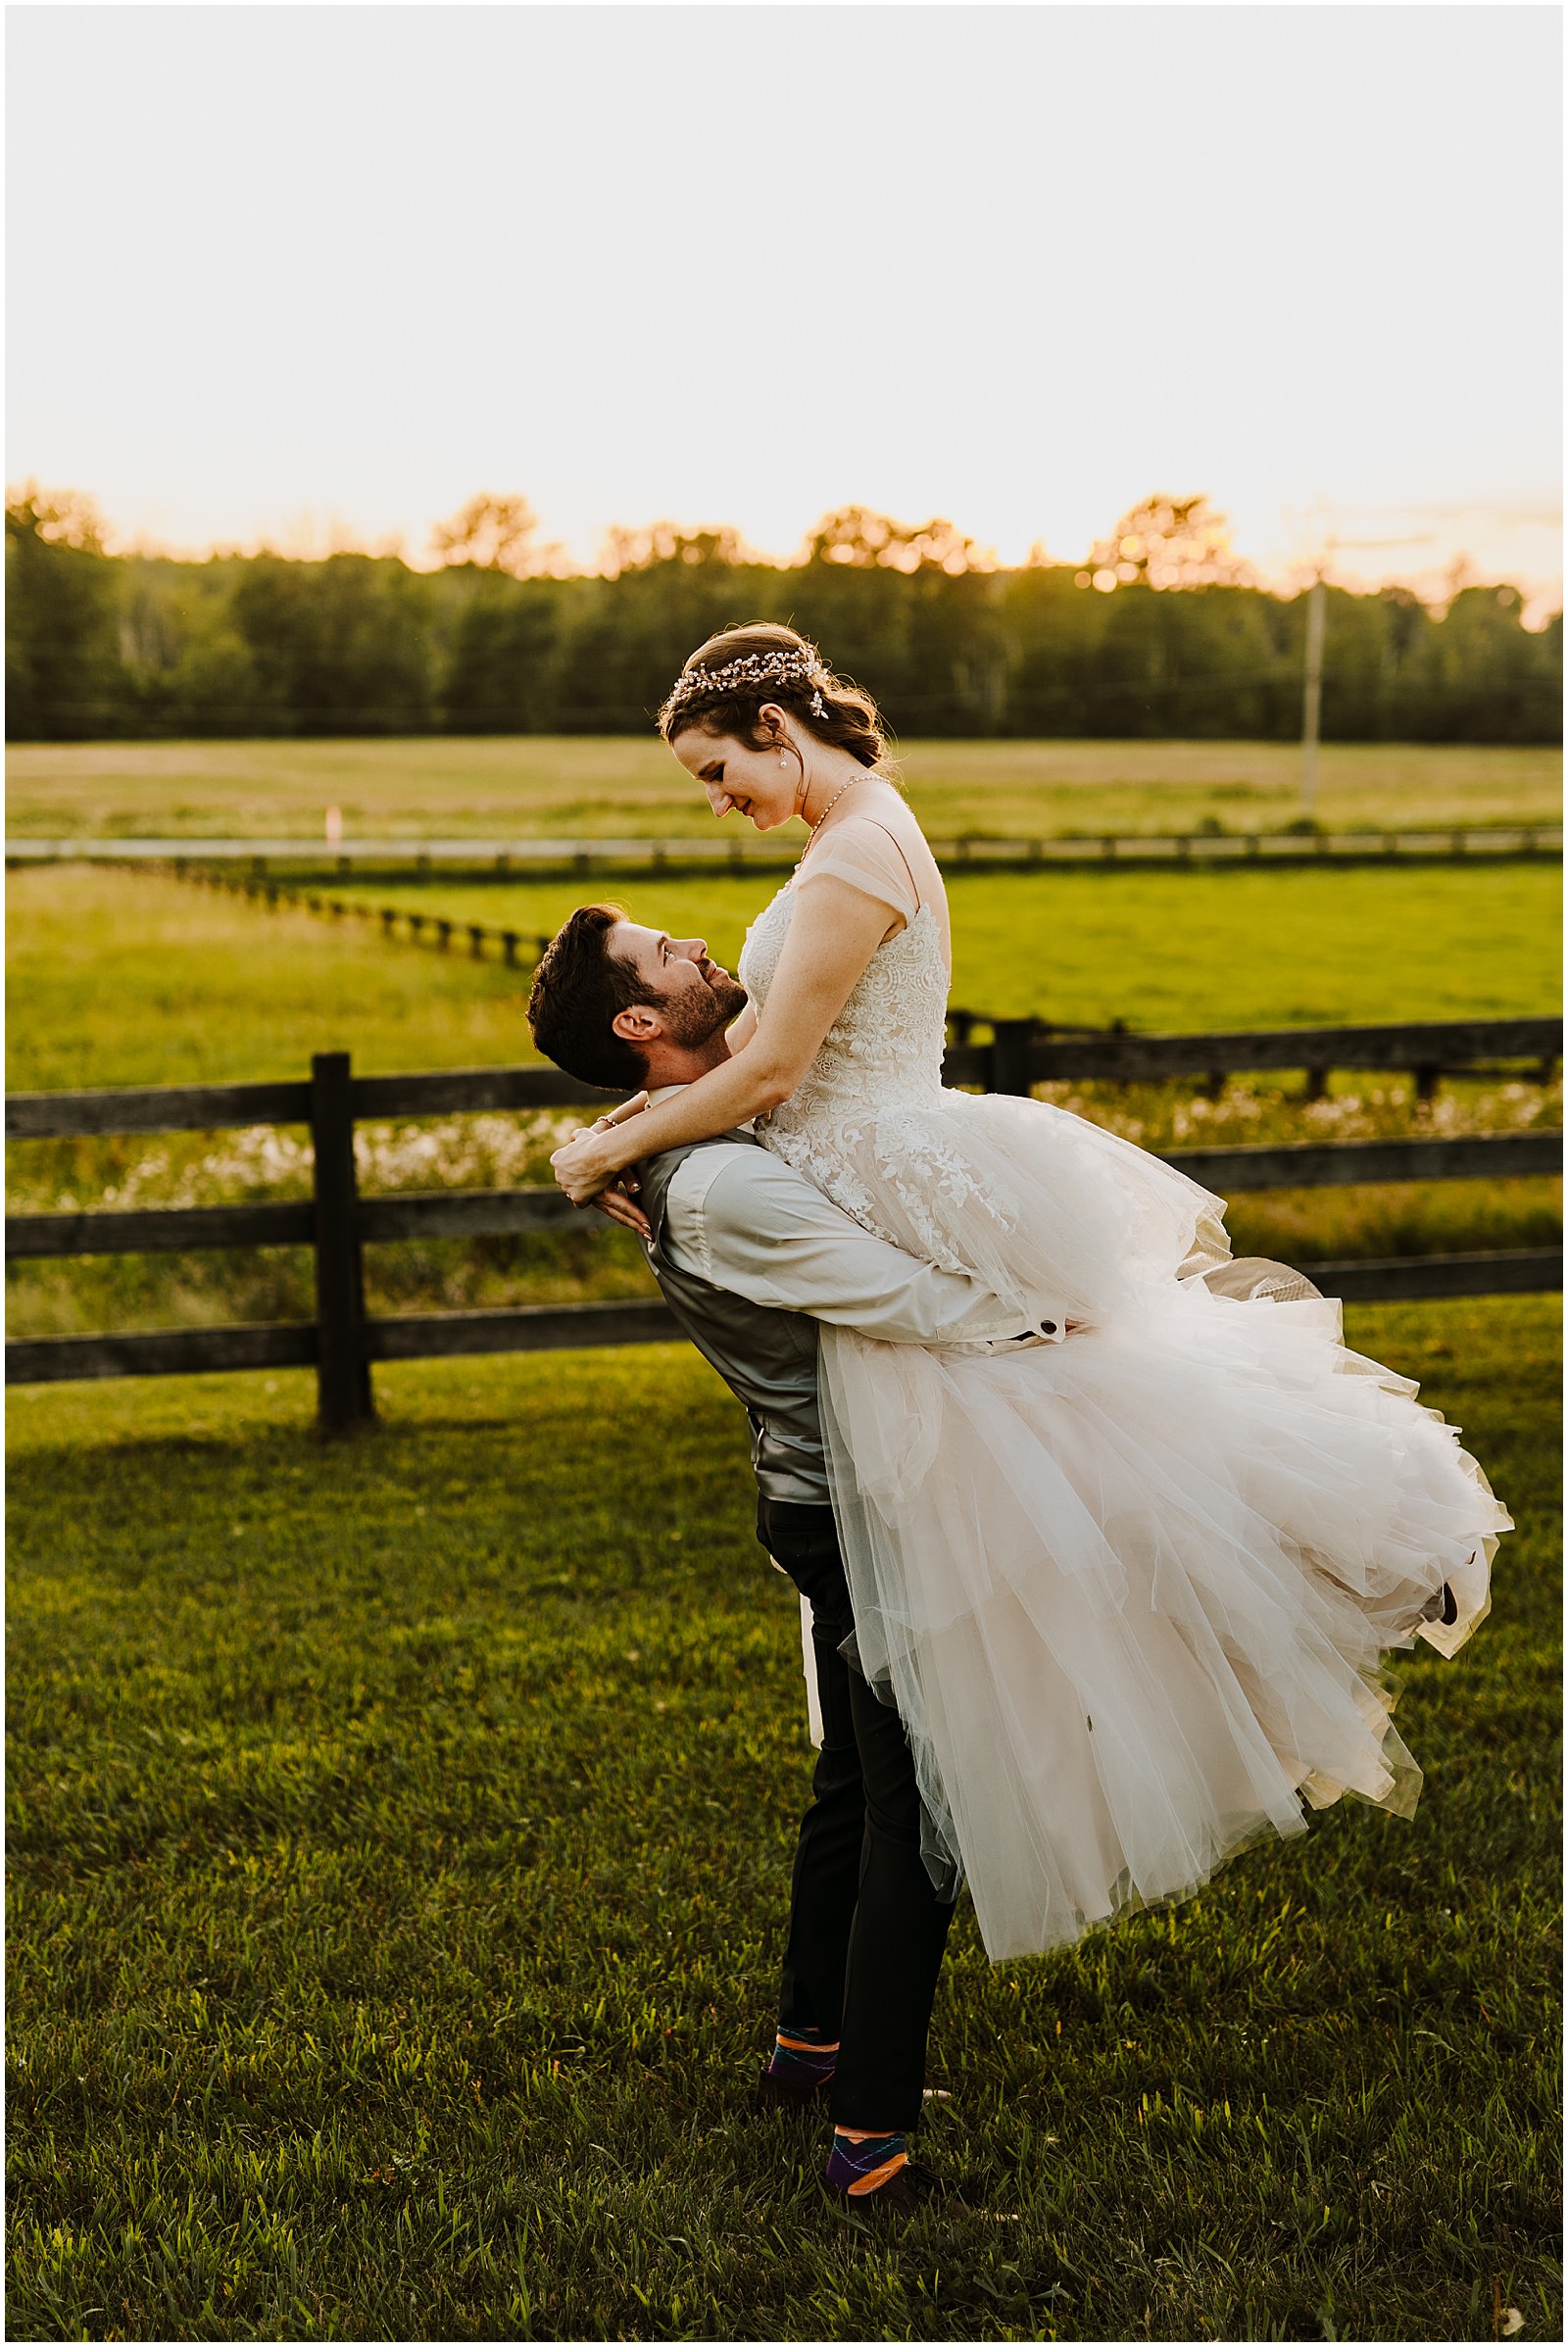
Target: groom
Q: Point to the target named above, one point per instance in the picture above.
(750, 1254)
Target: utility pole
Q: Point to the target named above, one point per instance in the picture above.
(1312, 702)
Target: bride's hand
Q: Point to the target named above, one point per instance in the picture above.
(618, 1204)
(582, 1166)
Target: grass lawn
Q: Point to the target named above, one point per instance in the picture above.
(1165, 950)
(136, 978)
(398, 1843)
(596, 786)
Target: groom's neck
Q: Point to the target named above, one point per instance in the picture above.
(673, 1063)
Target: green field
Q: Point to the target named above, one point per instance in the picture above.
(398, 1841)
(591, 786)
(119, 978)
(134, 978)
(1169, 952)
(138, 978)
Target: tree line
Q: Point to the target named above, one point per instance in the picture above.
(1160, 636)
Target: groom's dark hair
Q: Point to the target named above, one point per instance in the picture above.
(578, 987)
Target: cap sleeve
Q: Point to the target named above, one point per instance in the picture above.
(860, 852)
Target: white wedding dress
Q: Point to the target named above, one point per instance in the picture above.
(1128, 1584)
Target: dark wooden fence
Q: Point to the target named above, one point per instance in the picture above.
(279, 873)
(518, 949)
(343, 1342)
(1024, 1053)
(736, 850)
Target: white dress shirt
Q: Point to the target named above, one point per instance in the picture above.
(738, 1215)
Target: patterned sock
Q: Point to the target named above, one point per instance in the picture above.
(862, 2164)
(803, 2057)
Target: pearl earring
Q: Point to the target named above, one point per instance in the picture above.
(782, 759)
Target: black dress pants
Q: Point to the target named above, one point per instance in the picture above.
(867, 1928)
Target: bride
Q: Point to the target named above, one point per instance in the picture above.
(1129, 1585)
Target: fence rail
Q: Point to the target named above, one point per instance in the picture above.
(517, 949)
(1022, 1053)
(212, 1107)
(343, 1342)
(490, 1213)
(1025, 1053)
(187, 1230)
(411, 858)
(251, 868)
(541, 1328)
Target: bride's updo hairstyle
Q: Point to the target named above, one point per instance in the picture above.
(730, 677)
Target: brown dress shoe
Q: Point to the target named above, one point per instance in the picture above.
(784, 2093)
(909, 2194)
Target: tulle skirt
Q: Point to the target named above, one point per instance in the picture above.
(1130, 1589)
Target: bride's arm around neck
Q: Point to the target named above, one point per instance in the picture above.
(834, 930)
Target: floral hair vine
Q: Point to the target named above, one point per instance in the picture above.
(753, 670)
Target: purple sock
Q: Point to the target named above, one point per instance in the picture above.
(858, 2169)
(804, 2055)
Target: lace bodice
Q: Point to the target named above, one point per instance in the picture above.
(1056, 1217)
(867, 1123)
(884, 1049)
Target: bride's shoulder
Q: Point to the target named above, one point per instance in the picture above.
(879, 828)
(876, 847)
(880, 806)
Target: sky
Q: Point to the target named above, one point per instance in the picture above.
(315, 276)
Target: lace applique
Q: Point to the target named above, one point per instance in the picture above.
(1056, 1217)
(869, 1119)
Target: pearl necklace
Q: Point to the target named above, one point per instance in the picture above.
(828, 810)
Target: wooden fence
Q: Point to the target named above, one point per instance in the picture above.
(735, 850)
(281, 872)
(343, 1342)
(517, 949)
(1024, 1053)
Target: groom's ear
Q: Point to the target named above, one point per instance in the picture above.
(640, 1024)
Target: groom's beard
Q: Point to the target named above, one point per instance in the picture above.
(694, 1016)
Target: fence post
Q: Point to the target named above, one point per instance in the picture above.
(1012, 1056)
(342, 1374)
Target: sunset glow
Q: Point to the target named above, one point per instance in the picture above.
(317, 276)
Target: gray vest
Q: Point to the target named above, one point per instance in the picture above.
(765, 1356)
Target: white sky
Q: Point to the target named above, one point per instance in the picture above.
(316, 274)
